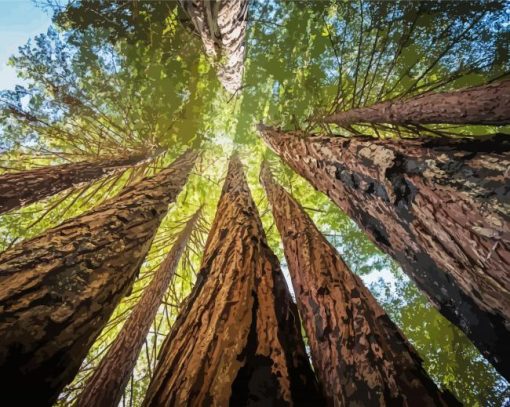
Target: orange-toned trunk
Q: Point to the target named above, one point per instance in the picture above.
(439, 207)
(107, 383)
(25, 187)
(487, 105)
(360, 356)
(58, 290)
(237, 339)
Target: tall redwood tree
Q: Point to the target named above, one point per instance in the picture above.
(58, 290)
(488, 104)
(360, 356)
(238, 338)
(222, 27)
(106, 385)
(25, 187)
(439, 207)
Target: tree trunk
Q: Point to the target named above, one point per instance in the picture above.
(59, 289)
(360, 356)
(221, 25)
(237, 338)
(439, 207)
(25, 187)
(107, 383)
(488, 104)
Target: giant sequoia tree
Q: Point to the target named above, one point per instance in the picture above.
(439, 207)
(25, 187)
(238, 337)
(488, 104)
(359, 355)
(222, 27)
(114, 79)
(59, 289)
(109, 379)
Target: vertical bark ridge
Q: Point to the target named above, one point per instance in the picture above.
(221, 25)
(360, 356)
(486, 105)
(25, 187)
(237, 339)
(439, 207)
(59, 289)
(106, 385)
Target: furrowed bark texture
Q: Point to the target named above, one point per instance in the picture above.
(107, 383)
(360, 356)
(222, 26)
(488, 104)
(58, 290)
(25, 187)
(237, 340)
(439, 207)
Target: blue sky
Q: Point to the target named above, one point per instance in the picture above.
(19, 21)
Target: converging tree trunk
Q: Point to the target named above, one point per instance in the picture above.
(488, 104)
(25, 187)
(222, 26)
(107, 383)
(439, 207)
(237, 339)
(58, 290)
(360, 356)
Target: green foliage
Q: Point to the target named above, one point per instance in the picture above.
(111, 78)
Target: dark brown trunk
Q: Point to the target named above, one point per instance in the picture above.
(360, 356)
(107, 383)
(25, 187)
(439, 207)
(237, 338)
(222, 27)
(58, 290)
(488, 104)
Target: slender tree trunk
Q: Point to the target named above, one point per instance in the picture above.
(107, 383)
(58, 290)
(360, 356)
(25, 187)
(237, 338)
(222, 27)
(488, 104)
(439, 207)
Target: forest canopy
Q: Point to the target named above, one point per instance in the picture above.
(128, 88)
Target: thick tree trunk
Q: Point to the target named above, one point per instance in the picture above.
(237, 339)
(221, 24)
(58, 290)
(439, 207)
(488, 104)
(107, 383)
(360, 356)
(25, 187)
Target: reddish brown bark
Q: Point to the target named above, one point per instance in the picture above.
(222, 27)
(488, 104)
(237, 339)
(360, 356)
(25, 187)
(439, 207)
(107, 383)
(58, 290)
